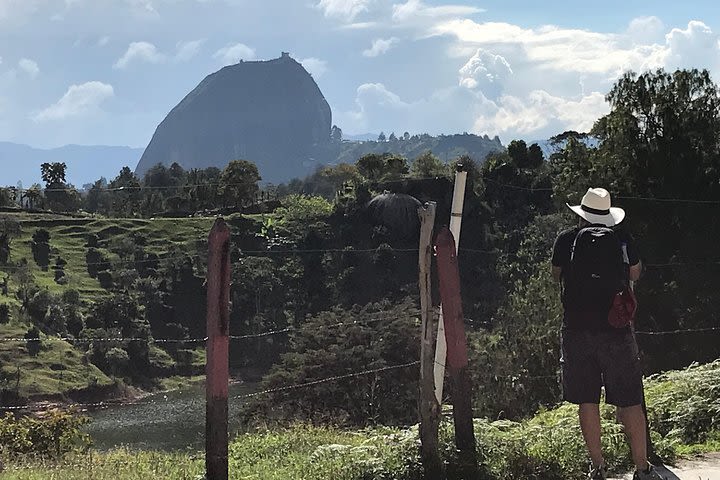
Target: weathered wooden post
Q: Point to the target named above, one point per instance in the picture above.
(428, 404)
(217, 362)
(457, 358)
(456, 212)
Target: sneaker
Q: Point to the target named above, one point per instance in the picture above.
(650, 474)
(597, 473)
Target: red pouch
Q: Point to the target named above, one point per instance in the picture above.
(622, 311)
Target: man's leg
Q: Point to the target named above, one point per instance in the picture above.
(633, 419)
(590, 426)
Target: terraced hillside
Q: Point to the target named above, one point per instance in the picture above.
(60, 367)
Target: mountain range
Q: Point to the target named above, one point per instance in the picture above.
(85, 163)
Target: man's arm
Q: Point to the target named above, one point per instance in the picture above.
(635, 271)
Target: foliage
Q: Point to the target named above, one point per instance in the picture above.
(9, 229)
(238, 182)
(428, 165)
(5, 314)
(51, 434)
(32, 341)
(341, 342)
(41, 248)
(546, 447)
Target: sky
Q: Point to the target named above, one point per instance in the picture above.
(106, 72)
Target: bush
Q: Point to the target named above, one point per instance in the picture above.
(96, 262)
(32, 338)
(117, 360)
(105, 279)
(40, 246)
(50, 434)
(4, 313)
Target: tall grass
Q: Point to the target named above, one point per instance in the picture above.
(684, 412)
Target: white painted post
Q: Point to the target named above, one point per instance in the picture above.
(455, 224)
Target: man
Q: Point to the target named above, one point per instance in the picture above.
(595, 353)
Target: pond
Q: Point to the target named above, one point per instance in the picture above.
(164, 421)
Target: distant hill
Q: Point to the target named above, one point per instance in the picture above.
(21, 163)
(269, 112)
(446, 147)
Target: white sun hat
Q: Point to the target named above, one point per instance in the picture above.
(595, 208)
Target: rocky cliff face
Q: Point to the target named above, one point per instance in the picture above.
(269, 112)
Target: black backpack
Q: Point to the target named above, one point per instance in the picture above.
(596, 272)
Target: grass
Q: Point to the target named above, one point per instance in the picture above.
(58, 367)
(68, 238)
(547, 446)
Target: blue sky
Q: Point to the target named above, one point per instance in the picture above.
(108, 71)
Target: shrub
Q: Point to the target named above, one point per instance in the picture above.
(32, 343)
(40, 246)
(4, 313)
(105, 279)
(50, 434)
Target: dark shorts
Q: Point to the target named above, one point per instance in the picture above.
(593, 359)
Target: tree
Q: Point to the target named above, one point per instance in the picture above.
(40, 246)
(4, 313)
(25, 282)
(428, 165)
(239, 182)
(336, 134)
(98, 199)
(9, 228)
(406, 136)
(371, 166)
(32, 341)
(392, 137)
(517, 149)
(535, 156)
(53, 173)
(59, 194)
(382, 138)
(395, 167)
(34, 196)
(126, 193)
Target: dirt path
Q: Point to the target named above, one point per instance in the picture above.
(705, 467)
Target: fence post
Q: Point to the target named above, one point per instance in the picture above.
(217, 361)
(457, 359)
(456, 212)
(428, 405)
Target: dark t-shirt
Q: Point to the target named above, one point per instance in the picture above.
(587, 320)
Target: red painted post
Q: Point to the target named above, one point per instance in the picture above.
(217, 361)
(457, 358)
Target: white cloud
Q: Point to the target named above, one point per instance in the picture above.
(141, 52)
(485, 71)
(415, 9)
(694, 47)
(378, 108)
(380, 46)
(646, 30)
(540, 114)
(78, 100)
(343, 9)
(315, 66)
(30, 67)
(102, 41)
(232, 54)
(188, 50)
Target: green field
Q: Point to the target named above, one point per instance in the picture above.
(59, 368)
(68, 239)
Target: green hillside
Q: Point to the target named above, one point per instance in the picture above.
(59, 367)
